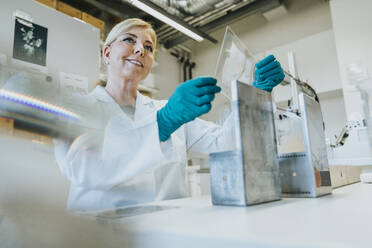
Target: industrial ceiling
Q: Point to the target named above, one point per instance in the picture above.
(201, 16)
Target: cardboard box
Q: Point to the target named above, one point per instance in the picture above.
(94, 22)
(69, 10)
(6, 125)
(353, 174)
(338, 176)
(49, 3)
(33, 137)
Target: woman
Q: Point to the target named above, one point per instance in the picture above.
(141, 155)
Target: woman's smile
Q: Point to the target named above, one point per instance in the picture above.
(135, 62)
(131, 55)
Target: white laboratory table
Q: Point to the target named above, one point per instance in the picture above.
(343, 219)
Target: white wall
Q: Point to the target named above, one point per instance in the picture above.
(353, 35)
(167, 74)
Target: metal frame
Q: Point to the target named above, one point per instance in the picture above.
(306, 173)
(249, 174)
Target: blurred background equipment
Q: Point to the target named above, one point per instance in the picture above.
(35, 108)
(304, 169)
(358, 130)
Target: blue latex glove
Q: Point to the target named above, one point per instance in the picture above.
(268, 74)
(190, 100)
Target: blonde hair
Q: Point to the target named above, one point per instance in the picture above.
(124, 26)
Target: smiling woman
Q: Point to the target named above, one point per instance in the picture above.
(141, 154)
(129, 52)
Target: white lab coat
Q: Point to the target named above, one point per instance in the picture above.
(126, 164)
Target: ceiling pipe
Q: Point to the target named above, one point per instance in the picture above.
(191, 66)
(186, 64)
(195, 21)
(249, 9)
(176, 19)
(184, 8)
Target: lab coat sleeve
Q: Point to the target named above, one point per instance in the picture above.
(207, 137)
(102, 161)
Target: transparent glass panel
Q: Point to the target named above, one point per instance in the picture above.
(234, 63)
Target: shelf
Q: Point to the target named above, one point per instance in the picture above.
(351, 161)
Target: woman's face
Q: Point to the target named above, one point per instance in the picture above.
(130, 56)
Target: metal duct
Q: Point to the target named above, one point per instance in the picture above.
(184, 8)
(220, 9)
(245, 8)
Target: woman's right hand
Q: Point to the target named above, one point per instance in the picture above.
(190, 100)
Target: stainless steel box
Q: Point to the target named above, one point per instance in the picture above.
(250, 174)
(304, 170)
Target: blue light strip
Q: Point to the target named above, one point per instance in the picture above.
(37, 104)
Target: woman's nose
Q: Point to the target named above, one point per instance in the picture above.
(138, 49)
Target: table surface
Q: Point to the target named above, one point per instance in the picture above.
(343, 219)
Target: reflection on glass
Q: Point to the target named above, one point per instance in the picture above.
(34, 104)
(234, 63)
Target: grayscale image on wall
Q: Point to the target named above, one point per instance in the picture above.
(30, 42)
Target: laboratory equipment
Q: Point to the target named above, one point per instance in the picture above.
(353, 134)
(249, 174)
(304, 170)
(302, 151)
(359, 125)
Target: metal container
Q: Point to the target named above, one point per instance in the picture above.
(304, 170)
(250, 174)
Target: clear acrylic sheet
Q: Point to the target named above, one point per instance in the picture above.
(234, 63)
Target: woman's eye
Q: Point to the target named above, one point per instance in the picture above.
(149, 48)
(129, 40)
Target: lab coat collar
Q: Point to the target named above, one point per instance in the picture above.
(144, 105)
(101, 95)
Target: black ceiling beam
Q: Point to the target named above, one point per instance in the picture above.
(249, 9)
(178, 20)
(107, 7)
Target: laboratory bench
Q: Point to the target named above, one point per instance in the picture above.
(342, 219)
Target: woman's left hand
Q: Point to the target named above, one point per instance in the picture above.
(268, 74)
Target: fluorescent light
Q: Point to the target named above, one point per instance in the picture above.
(37, 104)
(166, 20)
